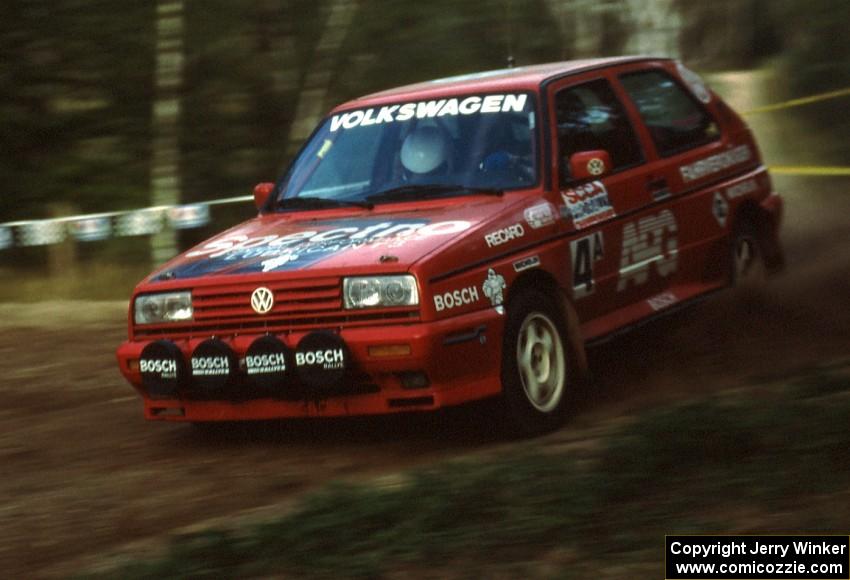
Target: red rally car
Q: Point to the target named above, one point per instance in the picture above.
(459, 239)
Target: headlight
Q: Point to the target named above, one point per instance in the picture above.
(165, 307)
(380, 291)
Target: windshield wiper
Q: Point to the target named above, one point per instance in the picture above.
(320, 203)
(425, 191)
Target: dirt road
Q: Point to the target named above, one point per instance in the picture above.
(84, 474)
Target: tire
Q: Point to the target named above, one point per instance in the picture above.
(535, 366)
(748, 269)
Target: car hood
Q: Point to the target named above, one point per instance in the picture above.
(374, 240)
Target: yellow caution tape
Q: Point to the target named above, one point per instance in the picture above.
(809, 170)
(799, 102)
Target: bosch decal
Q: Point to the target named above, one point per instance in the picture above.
(504, 235)
(456, 298)
(647, 242)
(265, 363)
(585, 252)
(165, 368)
(429, 109)
(209, 366)
(327, 359)
(588, 204)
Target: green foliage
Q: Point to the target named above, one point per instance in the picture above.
(671, 471)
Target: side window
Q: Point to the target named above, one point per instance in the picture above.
(676, 121)
(590, 117)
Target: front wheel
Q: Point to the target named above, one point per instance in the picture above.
(748, 266)
(535, 367)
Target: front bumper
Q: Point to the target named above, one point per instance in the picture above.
(460, 356)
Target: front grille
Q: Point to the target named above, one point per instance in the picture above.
(298, 305)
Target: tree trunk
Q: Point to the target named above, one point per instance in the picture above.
(311, 100)
(165, 166)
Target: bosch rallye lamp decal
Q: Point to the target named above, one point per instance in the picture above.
(163, 368)
(213, 365)
(241, 254)
(321, 359)
(267, 362)
(429, 109)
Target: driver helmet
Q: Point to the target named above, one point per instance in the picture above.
(424, 150)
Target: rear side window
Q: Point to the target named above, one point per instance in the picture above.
(676, 121)
(590, 117)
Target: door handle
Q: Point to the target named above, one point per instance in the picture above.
(658, 188)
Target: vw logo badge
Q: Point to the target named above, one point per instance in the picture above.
(262, 300)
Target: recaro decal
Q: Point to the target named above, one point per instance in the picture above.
(585, 252)
(649, 241)
(429, 109)
(504, 235)
(716, 163)
(588, 204)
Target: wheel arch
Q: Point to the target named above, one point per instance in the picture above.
(544, 281)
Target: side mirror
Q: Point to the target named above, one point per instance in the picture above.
(588, 164)
(262, 191)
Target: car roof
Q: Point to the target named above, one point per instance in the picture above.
(522, 78)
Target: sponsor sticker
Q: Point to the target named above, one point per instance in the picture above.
(453, 107)
(741, 189)
(720, 209)
(455, 298)
(321, 359)
(6, 239)
(540, 215)
(91, 229)
(494, 287)
(184, 217)
(716, 163)
(649, 242)
(139, 223)
(662, 301)
(585, 252)
(504, 235)
(527, 264)
(588, 204)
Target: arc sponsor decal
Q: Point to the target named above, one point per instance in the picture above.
(455, 298)
(648, 242)
(504, 235)
(429, 109)
(585, 252)
(716, 163)
(540, 215)
(588, 204)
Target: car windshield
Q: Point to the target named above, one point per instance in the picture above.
(464, 145)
